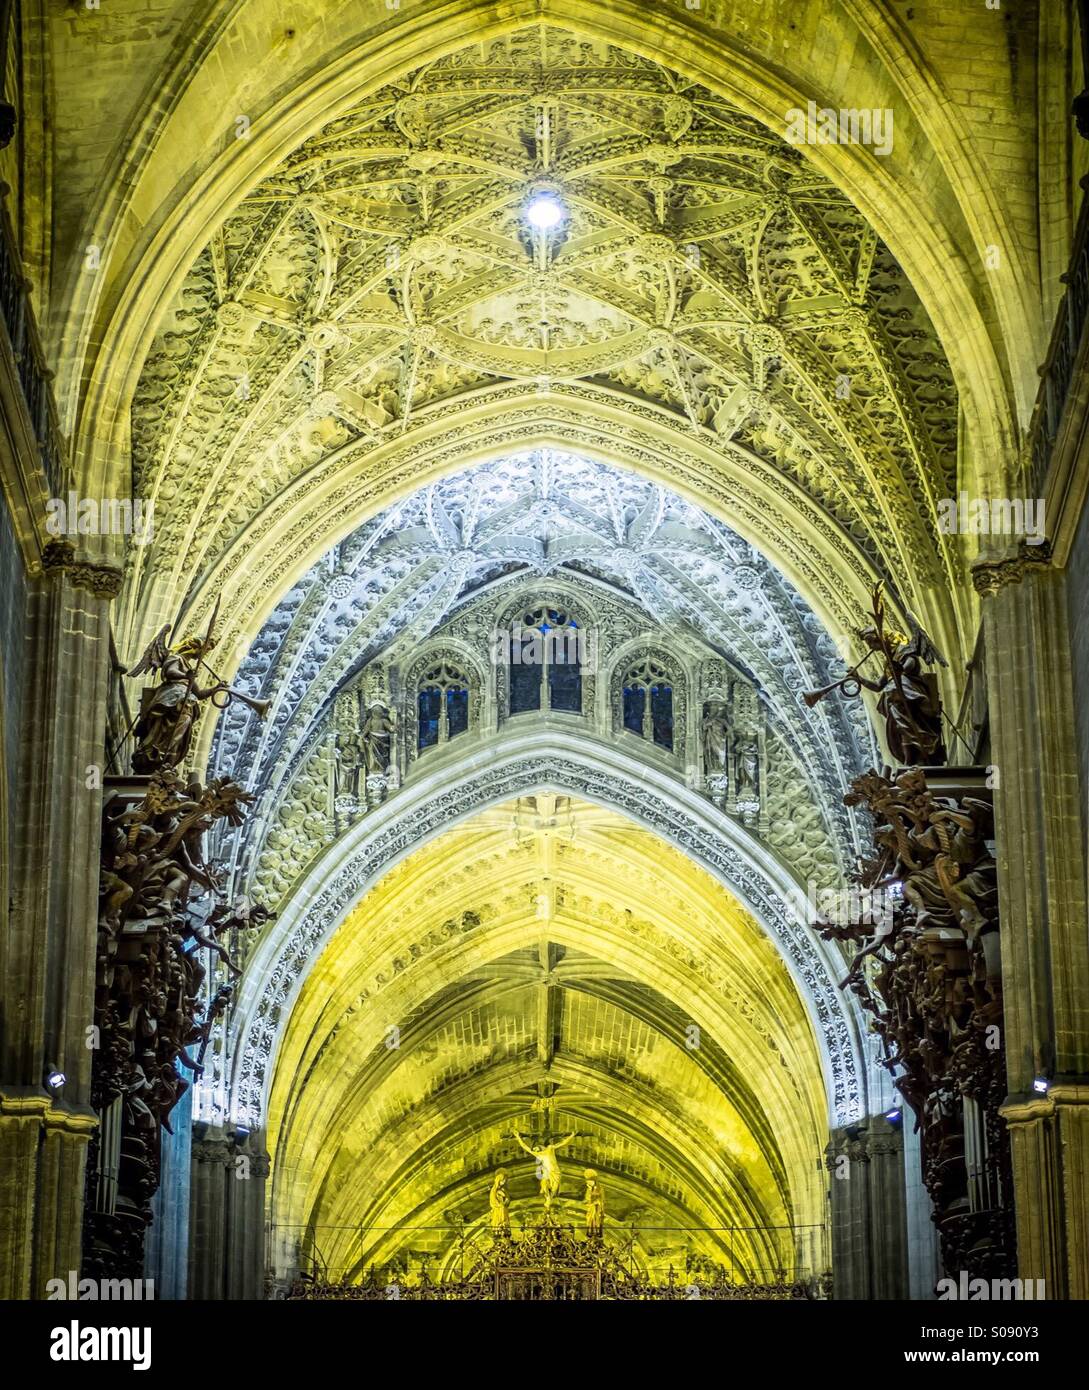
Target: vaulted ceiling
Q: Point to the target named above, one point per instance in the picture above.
(711, 397)
(548, 967)
(383, 281)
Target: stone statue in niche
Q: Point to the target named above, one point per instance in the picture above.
(348, 765)
(714, 736)
(745, 752)
(747, 767)
(377, 740)
(347, 761)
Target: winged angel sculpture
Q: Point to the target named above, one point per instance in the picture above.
(907, 693)
(171, 709)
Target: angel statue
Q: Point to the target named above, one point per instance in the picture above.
(595, 1205)
(170, 711)
(499, 1203)
(907, 694)
(548, 1166)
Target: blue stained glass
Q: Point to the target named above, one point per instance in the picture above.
(634, 701)
(457, 712)
(430, 703)
(661, 714)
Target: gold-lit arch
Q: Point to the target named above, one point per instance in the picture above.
(586, 970)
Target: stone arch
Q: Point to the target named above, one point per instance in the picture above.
(152, 237)
(553, 759)
(817, 557)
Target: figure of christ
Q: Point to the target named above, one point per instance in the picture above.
(548, 1167)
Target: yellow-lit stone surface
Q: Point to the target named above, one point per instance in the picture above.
(548, 951)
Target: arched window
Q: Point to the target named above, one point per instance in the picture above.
(442, 705)
(648, 702)
(545, 654)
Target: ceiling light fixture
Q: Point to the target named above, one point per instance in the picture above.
(544, 210)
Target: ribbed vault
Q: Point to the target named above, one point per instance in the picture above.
(716, 312)
(547, 963)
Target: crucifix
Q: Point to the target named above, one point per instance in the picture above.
(543, 1145)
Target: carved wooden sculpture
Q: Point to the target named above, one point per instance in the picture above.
(934, 987)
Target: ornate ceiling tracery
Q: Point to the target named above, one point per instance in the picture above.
(385, 273)
(376, 360)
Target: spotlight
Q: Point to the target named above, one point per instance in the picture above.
(894, 1116)
(54, 1079)
(544, 211)
(1040, 1085)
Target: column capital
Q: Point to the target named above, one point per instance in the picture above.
(991, 576)
(213, 1151)
(1025, 1108)
(104, 581)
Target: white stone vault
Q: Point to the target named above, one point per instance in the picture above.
(548, 757)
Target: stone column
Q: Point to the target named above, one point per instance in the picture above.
(213, 1159)
(1045, 944)
(868, 1210)
(227, 1216)
(49, 960)
(246, 1208)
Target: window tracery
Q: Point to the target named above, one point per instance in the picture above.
(545, 651)
(442, 705)
(646, 702)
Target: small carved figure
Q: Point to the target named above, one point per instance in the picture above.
(595, 1205)
(747, 762)
(377, 739)
(499, 1204)
(713, 732)
(548, 1167)
(907, 693)
(170, 710)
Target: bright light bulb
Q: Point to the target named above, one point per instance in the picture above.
(544, 211)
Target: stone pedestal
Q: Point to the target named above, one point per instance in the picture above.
(1045, 944)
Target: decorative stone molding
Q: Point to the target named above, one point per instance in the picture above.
(990, 577)
(279, 966)
(104, 581)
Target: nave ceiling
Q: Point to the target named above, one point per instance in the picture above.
(547, 963)
(378, 409)
(382, 285)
